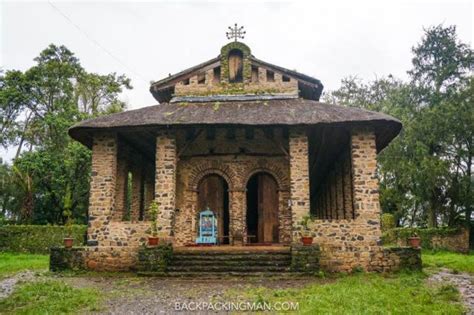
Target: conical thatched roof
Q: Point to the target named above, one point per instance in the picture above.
(275, 112)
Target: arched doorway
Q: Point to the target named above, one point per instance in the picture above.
(213, 193)
(236, 65)
(262, 209)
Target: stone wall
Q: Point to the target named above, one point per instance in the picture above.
(154, 259)
(305, 258)
(223, 156)
(452, 239)
(62, 259)
(350, 243)
(102, 186)
(458, 242)
(235, 154)
(209, 86)
(214, 79)
(299, 176)
(165, 188)
(396, 259)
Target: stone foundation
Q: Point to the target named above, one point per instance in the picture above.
(305, 258)
(62, 259)
(348, 233)
(154, 259)
(396, 259)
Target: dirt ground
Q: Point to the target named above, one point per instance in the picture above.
(140, 295)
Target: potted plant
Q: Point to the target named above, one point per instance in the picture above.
(68, 240)
(306, 237)
(414, 241)
(154, 212)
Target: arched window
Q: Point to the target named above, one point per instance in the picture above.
(236, 66)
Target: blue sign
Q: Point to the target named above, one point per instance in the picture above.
(207, 228)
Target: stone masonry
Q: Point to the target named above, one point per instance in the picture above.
(299, 176)
(351, 243)
(165, 188)
(345, 243)
(102, 186)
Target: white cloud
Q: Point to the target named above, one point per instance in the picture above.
(326, 39)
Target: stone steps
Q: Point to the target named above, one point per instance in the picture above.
(227, 268)
(224, 274)
(211, 262)
(226, 257)
(239, 262)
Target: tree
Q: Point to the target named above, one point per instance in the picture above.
(426, 173)
(38, 106)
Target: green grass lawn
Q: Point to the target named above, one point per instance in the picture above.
(455, 261)
(15, 262)
(365, 294)
(50, 297)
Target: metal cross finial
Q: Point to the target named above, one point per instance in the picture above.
(235, 32)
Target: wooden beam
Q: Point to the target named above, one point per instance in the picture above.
(186, 146)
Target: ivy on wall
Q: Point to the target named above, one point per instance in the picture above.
(247, 71)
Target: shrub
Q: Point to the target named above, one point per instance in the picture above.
(388, 221)
(37, 239)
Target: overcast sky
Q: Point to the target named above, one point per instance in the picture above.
(327, 39)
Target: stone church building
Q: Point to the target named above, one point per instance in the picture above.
(250, 141)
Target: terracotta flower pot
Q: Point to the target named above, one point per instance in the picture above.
(68, 242)
(307, 240)
(152, 241)
(414, 242)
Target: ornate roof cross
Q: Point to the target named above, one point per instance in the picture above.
(235, 32)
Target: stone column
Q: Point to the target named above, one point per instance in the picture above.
(149, 192)
(237, 215)
(102, 187)
(348, 208)
(365, 182)
(165, 180)
(299, 178)
(339, 190)
(136, 191)
(121, 187)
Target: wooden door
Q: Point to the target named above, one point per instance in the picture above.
(235, 63)
(267, 209)
(212, 192)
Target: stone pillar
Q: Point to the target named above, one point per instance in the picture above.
(365, 182)
(332, 193)
(347, 178)
(121, 187)
(299, 178)
(237, 215)
(339, 191)
(102, 187)
(136, 191)
(165, 180)
(149, 192)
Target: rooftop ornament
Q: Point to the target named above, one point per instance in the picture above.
(235, 32)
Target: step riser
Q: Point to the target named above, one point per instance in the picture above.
(226, 269)
(239, 257)
(236, 253)
(227, 274)
(223, 263)
(230, 263)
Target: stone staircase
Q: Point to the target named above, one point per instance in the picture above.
(214, 262)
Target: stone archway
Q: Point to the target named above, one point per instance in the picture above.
(198, 171)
